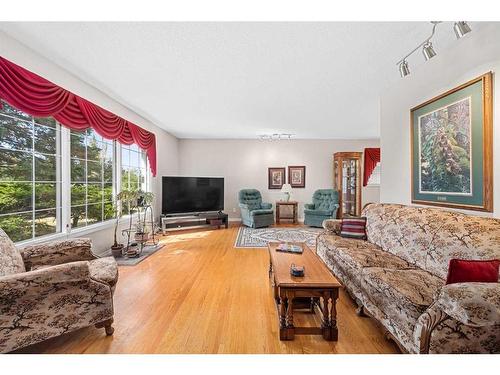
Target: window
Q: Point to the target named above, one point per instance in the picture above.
(36, 155)
(92, 160)
(134, 170)
(30, 182)
(374, 179)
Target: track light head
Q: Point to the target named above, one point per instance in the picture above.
(461, 28)
(403, 69)
(428, 51)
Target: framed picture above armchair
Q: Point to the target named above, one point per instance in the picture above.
(297, 176)
(276, 177)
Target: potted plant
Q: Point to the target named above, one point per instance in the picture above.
(123, 197)
(140, 233)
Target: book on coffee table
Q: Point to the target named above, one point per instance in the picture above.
(289, 248)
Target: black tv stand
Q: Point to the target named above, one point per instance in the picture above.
(194, 220)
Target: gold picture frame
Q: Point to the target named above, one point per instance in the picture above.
(452, 148)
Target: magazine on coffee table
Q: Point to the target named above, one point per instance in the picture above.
(289, 248)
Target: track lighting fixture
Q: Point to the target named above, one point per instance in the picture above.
(276, 136)
(461, 28)
(428, 51)
(403, 68)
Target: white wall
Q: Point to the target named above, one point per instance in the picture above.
(244, 163)
(166, 144)
(472, 56)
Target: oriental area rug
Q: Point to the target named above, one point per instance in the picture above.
(255, 238)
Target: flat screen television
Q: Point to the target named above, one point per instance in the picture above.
(192, 194)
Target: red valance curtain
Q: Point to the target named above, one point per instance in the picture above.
(372, 157)
(39, 97)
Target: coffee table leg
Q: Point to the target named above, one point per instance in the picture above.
(287, 330)
(329, 323)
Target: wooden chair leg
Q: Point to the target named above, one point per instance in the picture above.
(107, 325)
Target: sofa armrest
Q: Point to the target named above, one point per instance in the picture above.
(332, 225)
(266, 206)
(57, 252)
(309, 206)
(44, 278)
(473, 304)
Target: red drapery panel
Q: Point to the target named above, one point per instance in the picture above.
(38, 97)
(372, 157)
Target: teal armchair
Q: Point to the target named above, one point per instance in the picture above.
(254, 212)
(324, 206)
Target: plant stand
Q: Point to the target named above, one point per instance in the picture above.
(134, 237)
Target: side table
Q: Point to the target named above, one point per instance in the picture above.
(279, 215)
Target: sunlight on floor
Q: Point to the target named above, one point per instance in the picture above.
(184, 237)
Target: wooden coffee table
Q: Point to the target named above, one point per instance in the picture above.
(318, 287)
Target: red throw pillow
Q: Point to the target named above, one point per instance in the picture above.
(465, 271)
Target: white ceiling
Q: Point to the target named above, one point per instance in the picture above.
(239, 80)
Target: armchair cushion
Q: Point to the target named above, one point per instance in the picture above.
(324, 199)
(318, 212)
(474, 304)
(57, 252)
(11, 261)
(251, 197)
(266, 206)
(261, 212)
(62, 273)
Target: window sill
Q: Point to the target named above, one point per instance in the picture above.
(78, 232)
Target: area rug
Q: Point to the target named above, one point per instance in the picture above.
(147, 251)
(250, 237)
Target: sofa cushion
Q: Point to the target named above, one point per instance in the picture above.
(404, 231)
(413, 290)
(358, 254)
(11, 261)
(261, 212)
(104, 269)
(463, 237)
(318, 212)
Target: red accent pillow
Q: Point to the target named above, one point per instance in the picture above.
(465, 271)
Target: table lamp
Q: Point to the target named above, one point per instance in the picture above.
(287, 190)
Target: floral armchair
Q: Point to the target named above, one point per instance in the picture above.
(49, 289)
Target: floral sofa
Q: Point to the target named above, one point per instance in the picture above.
(50, 289)
(398, 277)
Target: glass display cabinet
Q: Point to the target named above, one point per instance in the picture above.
(347, 181)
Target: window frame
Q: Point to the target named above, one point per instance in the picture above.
(63, 183)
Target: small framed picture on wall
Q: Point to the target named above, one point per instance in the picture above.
(297, 176)
(276, 177)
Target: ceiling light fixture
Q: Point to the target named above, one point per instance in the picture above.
(428, 51)
(403, 68)
(461, 28)
(276, 136)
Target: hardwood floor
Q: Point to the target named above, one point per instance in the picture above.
(200, 295)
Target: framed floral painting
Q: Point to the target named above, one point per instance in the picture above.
(297, 176)
(452, 148)
(276, 177)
